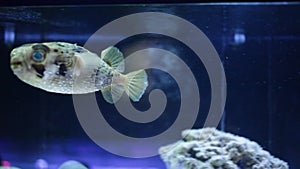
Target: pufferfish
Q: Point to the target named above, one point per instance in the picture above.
(67, 68)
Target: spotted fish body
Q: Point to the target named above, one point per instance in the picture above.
(66, 68)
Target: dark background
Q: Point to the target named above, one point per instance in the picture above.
(263, 79)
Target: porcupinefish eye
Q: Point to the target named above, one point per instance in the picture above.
(38, 56)
(39, 52)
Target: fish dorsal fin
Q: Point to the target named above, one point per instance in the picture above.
(114, 58)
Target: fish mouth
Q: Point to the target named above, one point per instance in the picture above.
(16, 65)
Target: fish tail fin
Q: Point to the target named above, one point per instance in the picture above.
(136, 84)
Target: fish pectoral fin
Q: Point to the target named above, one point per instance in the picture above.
(114, 58)
(112, 93)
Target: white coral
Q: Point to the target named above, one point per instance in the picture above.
(209, 148)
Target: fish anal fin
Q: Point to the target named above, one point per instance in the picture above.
(112, 93)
